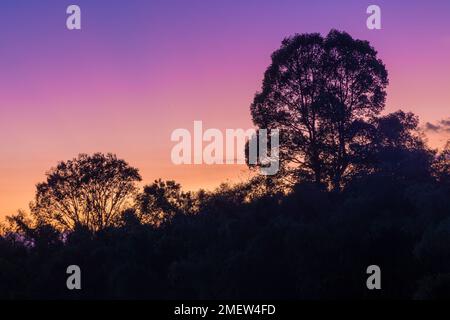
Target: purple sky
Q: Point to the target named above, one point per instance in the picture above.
(140, 69)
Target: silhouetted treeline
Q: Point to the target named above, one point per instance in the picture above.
(310, 243)
(355, 188)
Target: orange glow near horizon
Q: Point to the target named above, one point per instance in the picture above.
(123, 85)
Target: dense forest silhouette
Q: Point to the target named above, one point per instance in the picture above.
(355, 188)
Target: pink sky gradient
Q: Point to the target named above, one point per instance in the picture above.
(140, 69)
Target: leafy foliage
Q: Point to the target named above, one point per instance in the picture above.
(321, 93)
(89, 191)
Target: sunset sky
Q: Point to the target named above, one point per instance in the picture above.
(139, 69)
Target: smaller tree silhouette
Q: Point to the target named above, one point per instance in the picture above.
(90, 191)
(393, 146)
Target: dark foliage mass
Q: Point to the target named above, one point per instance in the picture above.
(310, 244)
(363, 190)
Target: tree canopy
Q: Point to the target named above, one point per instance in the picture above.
(89, 191)
(321, 93)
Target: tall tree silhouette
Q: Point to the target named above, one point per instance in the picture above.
(321, 93)
(89, 191)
